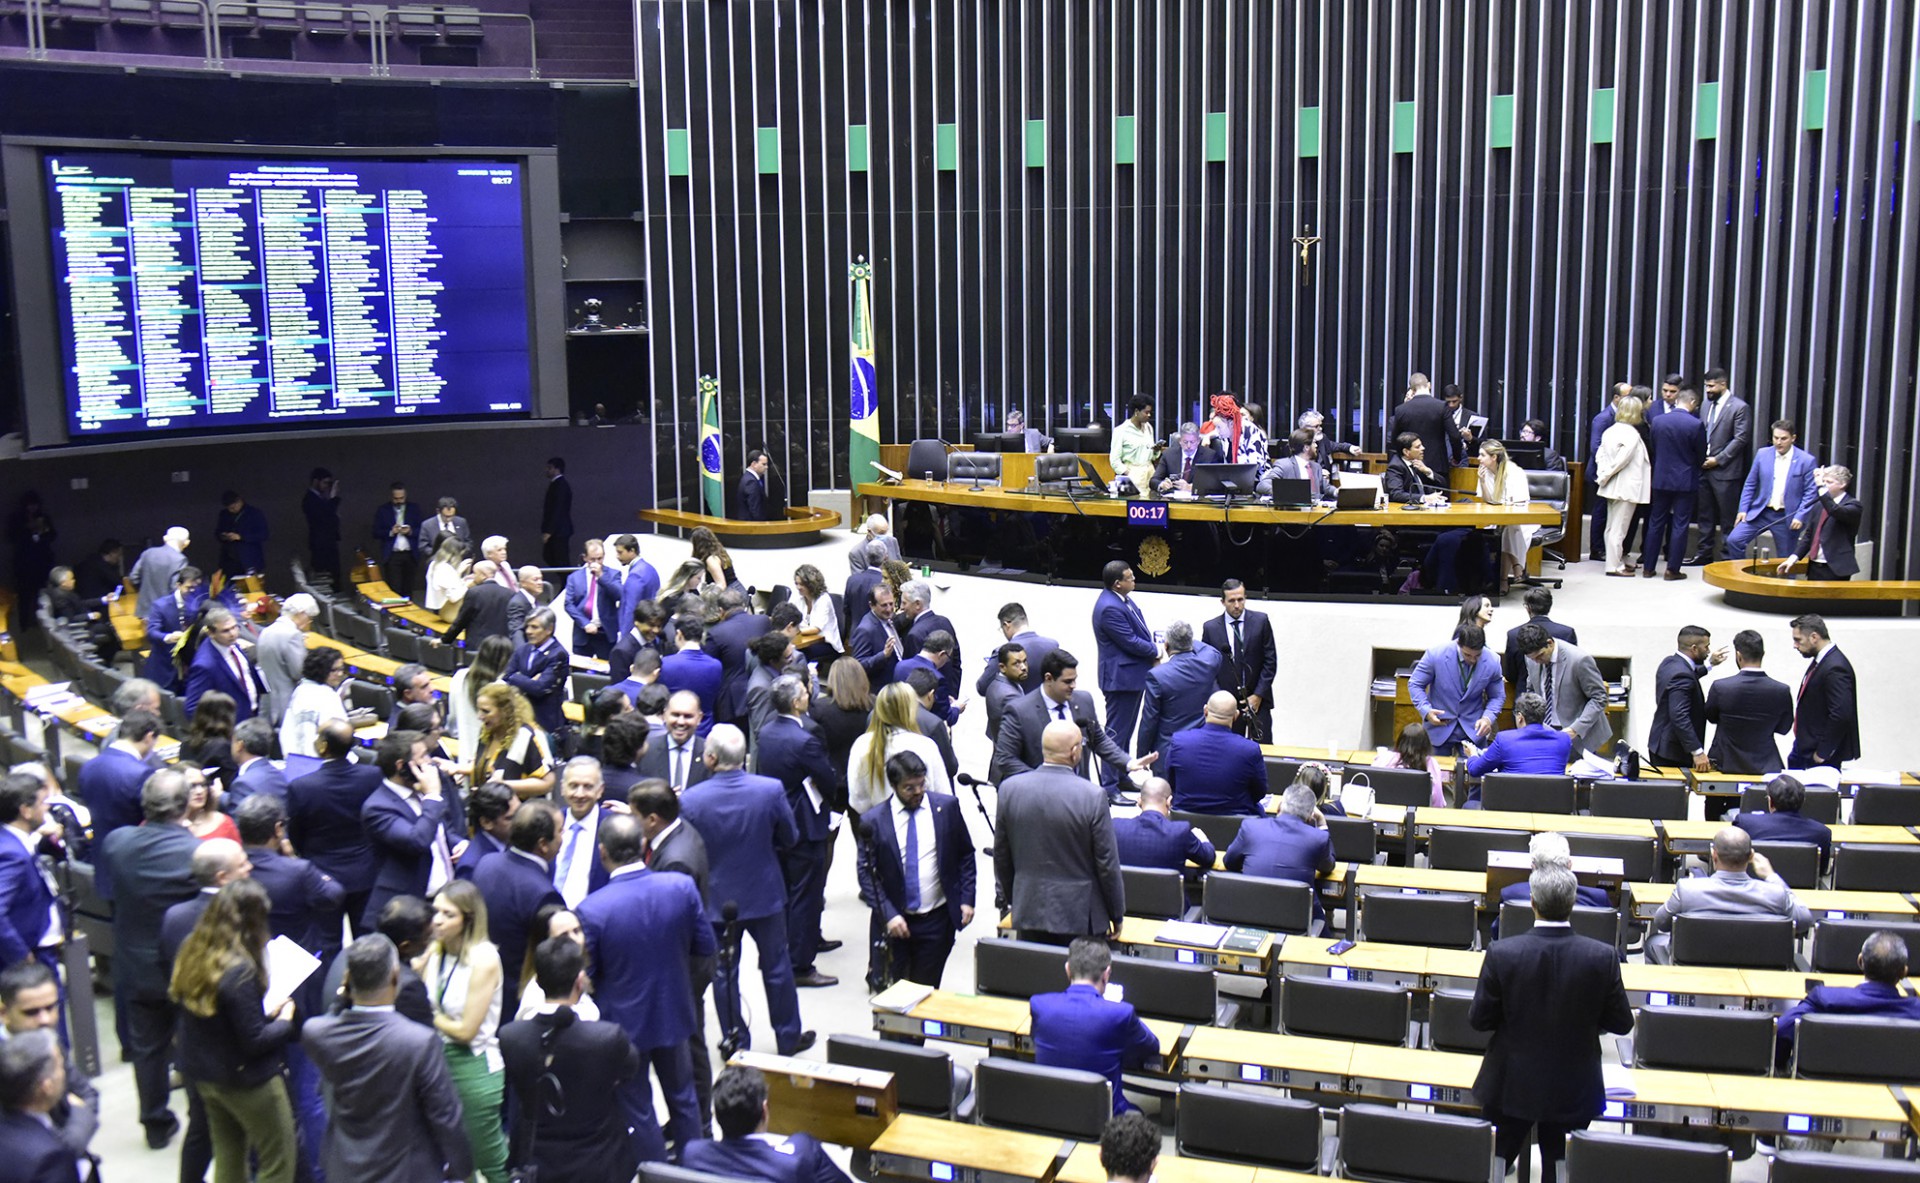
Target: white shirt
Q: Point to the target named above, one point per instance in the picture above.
(654, 845)
(931, 897)
(679, 763)
(533, 1001)
(312, 704)
(442, 871)
(53, 909)
(571, 879)
(1782, 468)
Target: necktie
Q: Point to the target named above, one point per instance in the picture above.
(1546, 690)
(1060, 712)
(1713, 413)
(1816, 552)
(593, 600)
(566, 856)
(240, 672)
(910, 862)
(1239, 641)
(680, 768)
(646, 854)
(1186, 468)
(1313, 479)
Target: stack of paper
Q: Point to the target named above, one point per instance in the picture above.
(288, 965)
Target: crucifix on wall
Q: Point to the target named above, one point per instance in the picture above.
(1305, 242)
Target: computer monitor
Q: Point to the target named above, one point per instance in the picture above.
(1224, 480)
(1528, 454)
(1000, 441)
(1292, 491)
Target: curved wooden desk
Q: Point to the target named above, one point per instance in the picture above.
(800, 526)
(1759, 587)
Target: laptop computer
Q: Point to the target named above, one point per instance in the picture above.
(1292, 491)
(1358, 491)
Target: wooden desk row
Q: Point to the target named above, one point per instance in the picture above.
(95, 724)
(1704, 782)
(916, 1147)
(1825, 905)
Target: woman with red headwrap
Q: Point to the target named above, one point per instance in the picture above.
(1234, 432)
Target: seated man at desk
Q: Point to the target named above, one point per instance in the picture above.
(1212, 770)
(745, 1149)
(1530, 747)
(1742, 884)
(1081, 1028)
(1782, 822)
(1294, 845)
(1174, 472)
(1154, 839)
(1548, 849)
(1883, 959)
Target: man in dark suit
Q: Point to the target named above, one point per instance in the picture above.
(1883, 962)
(303, 896)
(1009, 670)
(1299, 464)
(483, 610)
(936, 653)
(1293, 844)
(1749, 709)
(445, 523)
(30, 1001)
(745, 1149)
(321, 507)
(407, 921)
(728, 640)
(1014, 628)
(1154, 839)
(1783, 822)
(406, 823)
(1246, 638)
(111, 784)
(643, 929)
(1826, 544)
(254, 773)
(645, 631)
(1539, 602)
(577, 870)
(539, 670)
(568, 1074)
(1212, 770)
(1546, 995)
(1019, 749)
(323, 818)
(866, 559)
(592, 599)
(1459, 414)
(875, 641)
(220, 664)
(33, 1083)
(395, 1115)
(166, 620)
(491, 808)
(29, 926)
(673, 845)
(1177, 689)
(641, 581)
(1597, 427)
(1729, 426)
(1174, 471)
(152, 866)
(1679, 449)
(1055, 861)
(396, 539)
(923, 622)
(1408, 479)
(1081, 1028)
(242, 531)
(528, 586)
(748, 827)
(556, 516)
(1423, 415)
(518, 882)
(921, 879)
(691, 669)
(1826, 721)
(752, 489)
(792, 754)
(1528, 748)
(1126, 652)
(679, 758)
(1678, 738)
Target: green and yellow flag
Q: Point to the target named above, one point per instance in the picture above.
(713, 491)
(863, 440)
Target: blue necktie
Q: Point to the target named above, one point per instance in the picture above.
(912, 861)
(566, 856)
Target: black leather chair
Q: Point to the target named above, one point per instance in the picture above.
(1835, 948)
(1821, 804)
(1061, 1102)
(1520, 793)
(660, 1172)
(1018, 969)
(1392, 1145)
(1550, 486)
(981, 468)
(1447, 1027)
(587, 684)
(926, 457)
(1277, 905)
(1640, 858)
(1886, 805)
(441, 659)
(1055, 469)
(1400, 787)
(1220, 829)
(1602, 924)
(1739, 942)
(403, 645)
(1704, 1039)
(1862, 867)
(1263, 1128)
(1608, 1158)
(1172, 991)
(1464, 848)
(1797, 863)
(1155, 892)
(1397, 918)
(927, 1081)
(371, 697)
(1365, 1012)
(1281, 773)
(1354, 839)
(1857, 1047)
(1808, 1166)
(1661, 800)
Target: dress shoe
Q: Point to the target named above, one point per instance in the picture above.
(1118, 798)
(1674, 575)
(1646, 572)
(1694, 561)
(160, 1134)
(807, 1039)
(813, 979)
(829, 946)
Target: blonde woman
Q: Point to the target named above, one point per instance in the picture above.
(893, 730)
(1502, 482)
(461, 969)
(511, 750)
(1625, 477)
(447, 577)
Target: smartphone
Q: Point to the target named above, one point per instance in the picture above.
(1339, 947)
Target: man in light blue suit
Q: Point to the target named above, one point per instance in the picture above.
(1778, 496)
(1127, 652)
(1457, 688)
(1178, 688)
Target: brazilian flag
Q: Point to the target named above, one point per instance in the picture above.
(713, 491)
(863, 403)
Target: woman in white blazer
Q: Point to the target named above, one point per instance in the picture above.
(1624, 473)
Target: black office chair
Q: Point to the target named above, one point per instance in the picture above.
(1354, 839)
(586, 685)
(1173, 991)
(1703, 1039)
(1264, 1128)
(1155, 892)
(1055, 469)
(1399, 787)
(1464, 848)
(1391, 1145)
(1738, 942)
(1835, 948)
(1863, 867)
(1281, 773)
(1520, 793)
(1808, 1166)
(371, 697)
(1608, 1158)
(1857, 1047)
(1551, 486)
(1602, 924)
(1821, 804)
(1640, 858)
(1018, 969)
(1061, 1102)
(403, 645)
(441, 659)
(1397, 918)
(1886, 805)
(1447, 1027)
(1277, 905)
(661, 1172)
(927, 1081)
(1365, 1012)
(982, 468)
(1653, 799)
(1797, 863)
(1220, 829)
(926, 458)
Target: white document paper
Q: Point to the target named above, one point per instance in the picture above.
(288, 965)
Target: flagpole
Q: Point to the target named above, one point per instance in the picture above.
(863, 436)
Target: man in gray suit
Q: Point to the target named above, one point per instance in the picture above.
(395, 1117)
(282, 651)
(1729, 423)
(1570, 682)
(1056, 862)
(1742, 884)
(1018, 747)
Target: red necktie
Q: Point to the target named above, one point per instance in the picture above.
(1804, 683)
(240, 671)
(1819, 524)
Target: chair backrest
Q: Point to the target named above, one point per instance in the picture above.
(1602, 924)
(1220, 829)
(1665, 800)
(586, 684)
(1521, 793)
(1354, 839)
(1821, 804)
(661, 1172)
(1367, 1012)
(1018, 969)
(1263, 1127)
(1395, 786)
(1797, 863)
(371, 697)
(1548, 485)
(1886, 805)
(972, 466)
(441, 659)
(1167, 989)
(1704, 1039)
(1381, 1142)
(1862, 867)
(1064, 1102)
(926, 457)
(1397, 918)
(1857, 1047)
(1812, 1166)
(1464, 848)
(1835, 948)
(1048, 469)
(1640, 859)
(1594, 1158)
(1277, 905)
(1154, 891)
(1742, 942)
(922, 1076)
(1281, 773)
(403, 645)
(1447, 1027)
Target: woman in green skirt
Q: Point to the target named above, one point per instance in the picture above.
(462, 971)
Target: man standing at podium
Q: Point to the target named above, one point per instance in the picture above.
(753, 487)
